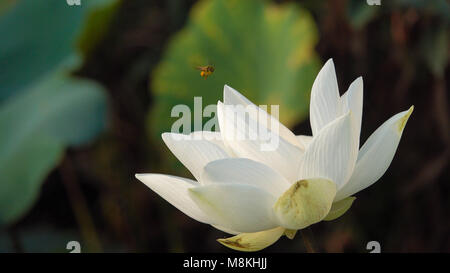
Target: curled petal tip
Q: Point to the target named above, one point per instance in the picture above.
(253, 241)
(290, 233)
(234, 243)
(402, 122)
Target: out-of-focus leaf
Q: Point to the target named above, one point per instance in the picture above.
(25, 166)
(360, 13)
(97, 25)
(5, 5)
(37, 37)
(435, 49)
(438, 7)
(40, 239)
(42, 108)
(36, 126)
(264, 50)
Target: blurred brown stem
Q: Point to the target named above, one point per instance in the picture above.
(308, 239)
(80, 208)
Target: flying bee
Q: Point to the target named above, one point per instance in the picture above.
(205, 71)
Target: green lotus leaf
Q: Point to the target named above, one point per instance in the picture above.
(264, 50)
(43, 109)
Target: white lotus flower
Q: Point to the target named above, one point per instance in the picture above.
(261, 195)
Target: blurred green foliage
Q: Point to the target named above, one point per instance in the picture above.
(42, 239)
(399, 47)
(96, 24)
(360, 13)
(264, 50)
(43, 108)
(433, 46)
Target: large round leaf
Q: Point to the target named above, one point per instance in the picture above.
(42, 108)
(37, 36)
(36, 126)
(264, 50)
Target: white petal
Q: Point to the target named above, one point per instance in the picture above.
(352, 101)
(175, 191)
(304, 141)
(332, 153)
(240, 135)
(245, 171)
(325, 103)
(237, 207)
(376, 155)
(213, 137)
(193, 153)
(233, 97)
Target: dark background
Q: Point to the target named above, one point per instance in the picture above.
(93, 197)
